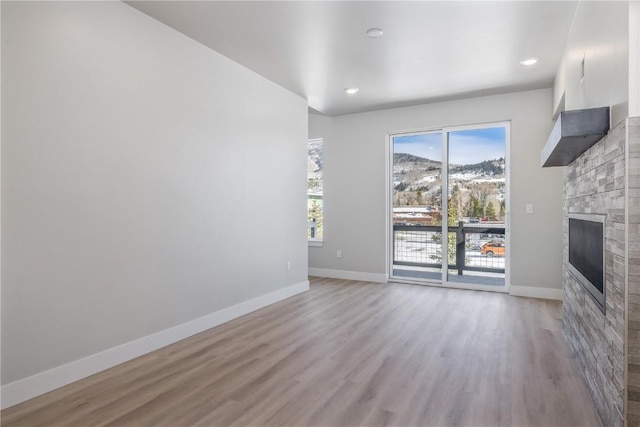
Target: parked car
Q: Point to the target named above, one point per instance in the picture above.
(492, 249)
(474, 246)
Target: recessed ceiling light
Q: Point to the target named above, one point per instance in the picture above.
(352, 90)
(374, 33)
(529, 61)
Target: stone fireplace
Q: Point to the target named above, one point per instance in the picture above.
(605, 180)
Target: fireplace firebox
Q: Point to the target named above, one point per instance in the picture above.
(586, 254)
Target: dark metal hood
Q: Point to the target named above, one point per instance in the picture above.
(573, 133)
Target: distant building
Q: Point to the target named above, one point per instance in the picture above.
(416, 215)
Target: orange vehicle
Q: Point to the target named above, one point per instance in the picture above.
(491, 249)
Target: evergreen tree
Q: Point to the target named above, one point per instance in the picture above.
(456, 200)
(315, 214)
(468, 208)
(491, 211)
(436, 197)
(401, 187)
(452, 212)
(481, 191)
(477, 207)
(451, 248)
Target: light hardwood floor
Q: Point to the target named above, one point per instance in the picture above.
(345, 353)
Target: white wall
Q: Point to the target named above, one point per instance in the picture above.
(146, 181)
(354, 182)
(600, 33)
(0, 190)
(319, 126)
(634, 58)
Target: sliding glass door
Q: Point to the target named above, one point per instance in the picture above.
(449, 204)
(417, 205)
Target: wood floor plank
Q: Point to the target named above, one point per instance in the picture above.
(345, 353)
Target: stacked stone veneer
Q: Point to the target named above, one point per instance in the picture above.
(633, 272)
(605, 180)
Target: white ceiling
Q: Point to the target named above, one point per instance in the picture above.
(430, 50)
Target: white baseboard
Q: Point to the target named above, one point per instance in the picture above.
(348, 275)
(534, 292)
(30, 387)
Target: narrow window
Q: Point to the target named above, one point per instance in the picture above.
(314, 190)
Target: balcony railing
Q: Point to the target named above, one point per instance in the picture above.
(311, 226)
(478, 247)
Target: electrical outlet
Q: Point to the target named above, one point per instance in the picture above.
(529, 208)
(288, 265)
(339, 254)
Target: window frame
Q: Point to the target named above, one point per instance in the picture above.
(315, 241)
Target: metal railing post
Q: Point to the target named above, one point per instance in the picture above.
(312, 226)
(460, 247)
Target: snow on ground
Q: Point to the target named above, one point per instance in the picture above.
(490, 180)
(429, 178)
(464, 176)
(474, 177)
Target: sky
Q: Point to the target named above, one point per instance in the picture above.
(465, 147)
